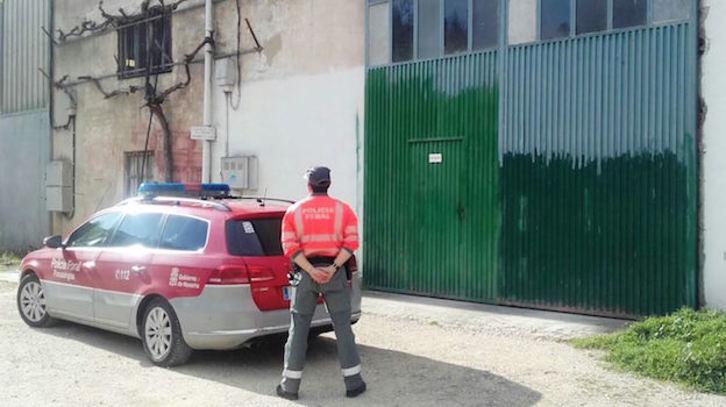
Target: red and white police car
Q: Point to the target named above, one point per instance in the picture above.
(179, 273)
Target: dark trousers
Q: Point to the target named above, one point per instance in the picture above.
(304, 296)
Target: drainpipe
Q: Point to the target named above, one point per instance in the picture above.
(51, 104)
(207, 120)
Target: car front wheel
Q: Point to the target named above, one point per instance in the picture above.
(32, 304)
(162, 337)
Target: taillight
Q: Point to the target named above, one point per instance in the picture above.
(229, 274)
(260, 274)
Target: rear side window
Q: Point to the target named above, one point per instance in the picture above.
(138, 229)
(254, 237)
(184, 233)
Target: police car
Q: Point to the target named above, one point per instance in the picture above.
(181, 267)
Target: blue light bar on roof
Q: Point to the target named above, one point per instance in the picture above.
(151, 189)
(215, 187)
(160, 187)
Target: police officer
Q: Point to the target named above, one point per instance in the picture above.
(319, 234)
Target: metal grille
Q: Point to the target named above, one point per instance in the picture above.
(134, 165)
(132, 46)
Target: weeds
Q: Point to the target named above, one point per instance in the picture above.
(9, 259)
(687, 347)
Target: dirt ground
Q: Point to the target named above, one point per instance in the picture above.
(415, 352)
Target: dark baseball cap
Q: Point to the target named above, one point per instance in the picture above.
(318, 176)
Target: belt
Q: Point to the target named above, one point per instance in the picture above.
(317, 261)
(321, 260)
(314, 260)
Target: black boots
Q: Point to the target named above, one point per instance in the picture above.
(282, 393)
(356, 392)
(293, 396)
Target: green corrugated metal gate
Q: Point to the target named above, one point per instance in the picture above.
(432, 228)
(567, 174)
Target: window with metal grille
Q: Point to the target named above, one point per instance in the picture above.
(134, 164)
(145, 44)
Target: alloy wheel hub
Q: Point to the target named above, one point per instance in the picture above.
(158, 333)
(32, 301)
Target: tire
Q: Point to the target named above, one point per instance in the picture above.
(161, 335)
(32, 303)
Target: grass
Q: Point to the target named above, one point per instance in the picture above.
(686, 347)
(9, 259)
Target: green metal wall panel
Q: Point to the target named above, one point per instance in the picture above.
(568, 178)
(431, 228)
(597, 173)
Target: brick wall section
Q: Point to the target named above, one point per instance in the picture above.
(186, 154)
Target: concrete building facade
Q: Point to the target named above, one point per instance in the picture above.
(299, 101)
(713, 144)
(302, 97)
(110, 132)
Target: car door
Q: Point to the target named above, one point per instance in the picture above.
(69, 288)
(123, 268)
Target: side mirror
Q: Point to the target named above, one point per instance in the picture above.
(53, 242)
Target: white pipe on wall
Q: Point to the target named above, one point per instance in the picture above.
(207, 102)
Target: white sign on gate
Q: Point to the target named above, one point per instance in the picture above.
(435, 158)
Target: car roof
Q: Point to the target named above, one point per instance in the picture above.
(253, 206)
(227, 208)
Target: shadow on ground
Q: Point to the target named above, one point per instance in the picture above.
(394, 378)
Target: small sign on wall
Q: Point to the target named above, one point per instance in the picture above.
(435, 158)
(207, 133)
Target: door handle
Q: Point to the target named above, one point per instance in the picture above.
(461, 211)
(138, 269)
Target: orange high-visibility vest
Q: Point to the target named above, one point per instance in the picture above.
(319, 226)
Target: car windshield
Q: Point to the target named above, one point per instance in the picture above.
(254, 237)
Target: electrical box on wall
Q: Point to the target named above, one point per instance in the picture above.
(225, 72)
(240, 172)
(59, 187)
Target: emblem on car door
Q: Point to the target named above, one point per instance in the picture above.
(177, 279)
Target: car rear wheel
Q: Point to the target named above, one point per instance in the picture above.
(31, 302)
(162, 337)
